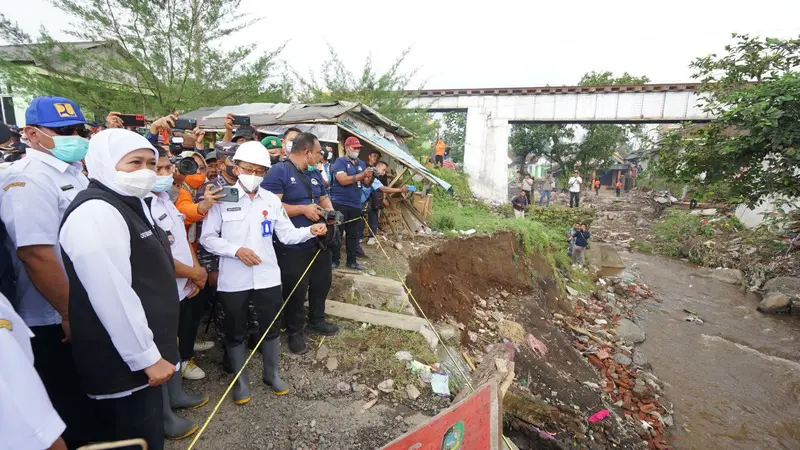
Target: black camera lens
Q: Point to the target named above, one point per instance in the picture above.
(187, 166)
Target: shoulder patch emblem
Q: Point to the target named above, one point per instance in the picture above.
(14, 184)
(6, 324)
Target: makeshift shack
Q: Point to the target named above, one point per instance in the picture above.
(334, 122)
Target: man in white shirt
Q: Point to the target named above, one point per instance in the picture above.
(241, 234)
(36, 192)
(574, 184)
(27, 418)
(190, 277)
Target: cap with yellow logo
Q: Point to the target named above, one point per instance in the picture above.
(53, 112)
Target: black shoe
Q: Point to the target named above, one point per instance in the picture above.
(324, 328)
(335, 265)
(356, 266)
(297, 343)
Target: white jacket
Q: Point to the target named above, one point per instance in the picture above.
(231, 226)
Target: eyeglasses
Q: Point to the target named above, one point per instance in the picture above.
(256, 172)
(80, 130)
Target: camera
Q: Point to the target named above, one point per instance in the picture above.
(331, 217)
(186, 165)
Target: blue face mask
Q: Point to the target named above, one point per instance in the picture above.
(163, 183)
(69, 148)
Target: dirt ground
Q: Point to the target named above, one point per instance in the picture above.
(316, 414)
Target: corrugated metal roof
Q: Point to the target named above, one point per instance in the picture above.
(393, 150)
(21, 53)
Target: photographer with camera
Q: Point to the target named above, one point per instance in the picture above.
(301, 189)
(349, 175)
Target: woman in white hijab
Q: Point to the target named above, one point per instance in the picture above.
(123, 298)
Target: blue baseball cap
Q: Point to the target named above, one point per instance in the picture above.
(53, 112)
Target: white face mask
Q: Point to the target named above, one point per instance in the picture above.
(250, 182)
(353, 155)
(138, 183)
(288, 146)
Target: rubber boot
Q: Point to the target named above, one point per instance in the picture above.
(269, 353)
(241, 390)
(175, 427)
(226, 362)
(179, 399)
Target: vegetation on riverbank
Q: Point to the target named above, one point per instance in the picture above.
(543, 232)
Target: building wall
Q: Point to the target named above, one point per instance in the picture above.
(752, 218)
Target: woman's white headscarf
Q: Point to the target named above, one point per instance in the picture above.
(107, 148)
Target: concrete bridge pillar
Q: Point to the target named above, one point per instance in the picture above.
(486, 154)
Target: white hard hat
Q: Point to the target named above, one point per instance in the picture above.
(254, 153)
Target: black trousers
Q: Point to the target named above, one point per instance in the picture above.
(53, 361)
(191, 312)
(528, 196)
(351, 230)
(316, 283)
(576, 197)
(266, 302)
(139, 415)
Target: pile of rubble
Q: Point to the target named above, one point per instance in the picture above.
(606, 336)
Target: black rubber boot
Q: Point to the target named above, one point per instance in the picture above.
(175, 427)
(179, 399)
(269, 354)
(226, 362)
(241, 390)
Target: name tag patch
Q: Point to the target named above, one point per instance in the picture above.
(67, 187)
(163, 216)
(235, 208)
(146, 234)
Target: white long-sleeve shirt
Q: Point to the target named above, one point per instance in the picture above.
(231, 226)
(575, 184)
(169, 219)
(97, 241)
(27, 418)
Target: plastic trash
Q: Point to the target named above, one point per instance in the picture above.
(422, 370)
(440, 384)
(412, 188)
(599, 415)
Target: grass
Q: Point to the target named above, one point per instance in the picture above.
(372, 351)
(642, 246)
(677, 228)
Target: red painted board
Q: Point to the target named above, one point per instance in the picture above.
(472, 424)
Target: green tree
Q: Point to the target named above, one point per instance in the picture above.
(383, 91)
(753, 90)
(453, 132)
(154, 57)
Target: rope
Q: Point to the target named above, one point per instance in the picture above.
(255, 349)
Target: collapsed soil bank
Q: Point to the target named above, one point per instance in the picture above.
(447, 279)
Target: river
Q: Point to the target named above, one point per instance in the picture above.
(735, 379)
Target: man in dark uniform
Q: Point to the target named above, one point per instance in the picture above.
(301, 189)
(348, 174)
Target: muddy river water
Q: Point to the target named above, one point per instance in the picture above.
(735, 379)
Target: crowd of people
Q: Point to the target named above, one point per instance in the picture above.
(118, 243)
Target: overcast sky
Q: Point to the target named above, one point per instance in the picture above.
(500, 43)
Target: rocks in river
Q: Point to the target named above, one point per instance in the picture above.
(787, 285)
(639, 359)
(730, 276)
(628, 331)
(774, 302)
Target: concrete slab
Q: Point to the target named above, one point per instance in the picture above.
(375, 316)
(374, 292)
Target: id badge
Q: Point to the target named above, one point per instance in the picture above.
(266, 228)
